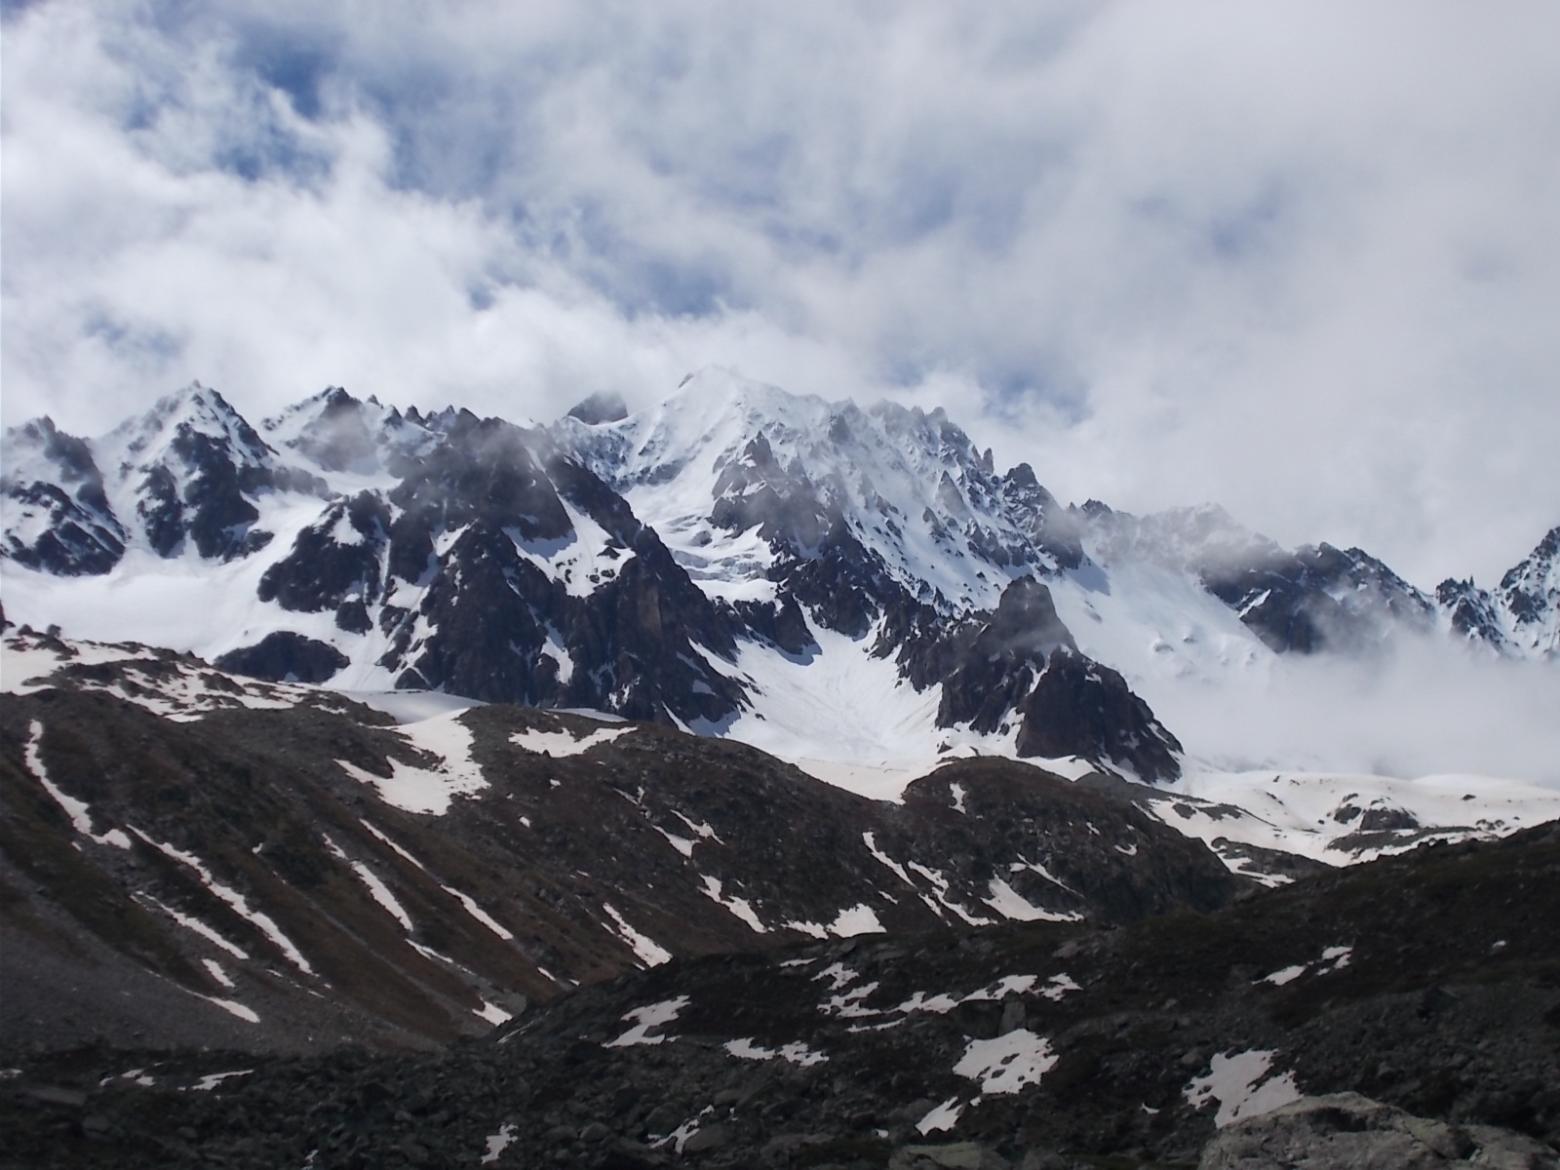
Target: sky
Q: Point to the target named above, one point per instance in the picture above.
(1302, 259)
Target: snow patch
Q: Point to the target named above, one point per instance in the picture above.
(943, 1117)
(1009, 903)
(371, 881)
(211, 1080)
(191, 923)
(796, 1052)
(1004, 987)
(497, 1143)
(1008, 1063)
(1239, 1082)
(655, 1015)
(649, 952)
(847, 1005)
(939, 1004)
(854, 920)
(428, 790)
(1286, 975)
(79, 812)
(492, 1013)
(219, 973)
(564, 743)
(231, 1006)
(741, 907)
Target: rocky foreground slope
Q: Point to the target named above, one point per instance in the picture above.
(192, 858)
(1428, 983)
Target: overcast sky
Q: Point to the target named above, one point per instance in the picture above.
(1302, 259)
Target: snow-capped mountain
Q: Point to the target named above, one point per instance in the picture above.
(1522, 615)
(858, 589)
(739, 476)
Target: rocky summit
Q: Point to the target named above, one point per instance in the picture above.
(747, 781)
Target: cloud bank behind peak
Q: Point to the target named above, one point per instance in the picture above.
(1300, 260)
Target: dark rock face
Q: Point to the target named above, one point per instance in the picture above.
(285, 657)
(1022, 667)
(484, 472)
(998, 669)
(1081, 708)
(1052, 528)
(755, 491)
(781, 623)
(340, 438)
(203, 486)
(844, 584)
(192, 466)
(334, 560)
(1522, 615)
(607, 627)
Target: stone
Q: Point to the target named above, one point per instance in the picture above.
(711, 1137)
(1346, 1131)
(948, 1156)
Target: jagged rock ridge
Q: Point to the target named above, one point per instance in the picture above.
(676, 564)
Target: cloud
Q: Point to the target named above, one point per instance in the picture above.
(1295, 258)
(1421, 707)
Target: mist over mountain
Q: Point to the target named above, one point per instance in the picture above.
(847, 585)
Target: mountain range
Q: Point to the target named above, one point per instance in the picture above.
(751, 780)
(849, 585)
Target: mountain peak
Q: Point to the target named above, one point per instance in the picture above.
(1530, 593)
(339, 432)
(178, 418)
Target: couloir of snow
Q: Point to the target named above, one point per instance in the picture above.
(581, 560)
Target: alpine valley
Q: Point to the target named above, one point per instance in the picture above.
(752, 780)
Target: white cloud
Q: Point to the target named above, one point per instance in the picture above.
(1296, 258)
(1422, 707)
